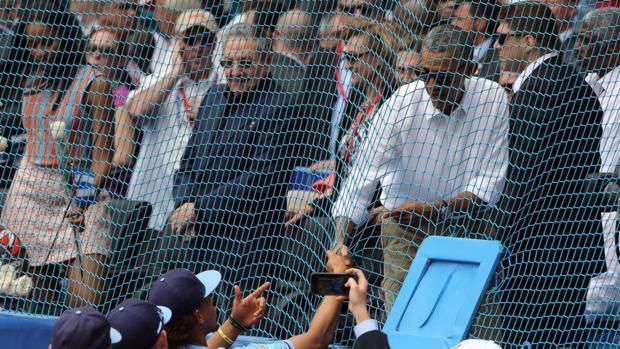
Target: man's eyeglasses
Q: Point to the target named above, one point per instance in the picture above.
(241, 63)
(200, 39)
(354, 57)
(357, 10)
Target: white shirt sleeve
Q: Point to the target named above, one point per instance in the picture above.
(365, 327)
(489, 182)
(372, 160)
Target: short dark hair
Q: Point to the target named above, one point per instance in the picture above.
(535, 19)
(487, 9)
(179, 330)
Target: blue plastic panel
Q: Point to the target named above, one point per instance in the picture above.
(441, 293)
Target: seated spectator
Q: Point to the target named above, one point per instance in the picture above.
(81, 328)
(410, 157)
(546, 179)
(405, 66)
(137, 324)
(72, 90)
(166, 112)
(371, 62)
(194, 318)
(598, 48)
(230, 190)
(480, 18)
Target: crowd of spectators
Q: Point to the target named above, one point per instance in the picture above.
(410, 110)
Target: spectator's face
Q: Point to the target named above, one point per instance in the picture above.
(444, 10)
(42, 42)
(443, 74)
(362, 62)
(595, 54)
(243, 65)
(207, 316)
(405, 66)
(102, 53)
(563, 10)
(463, 19)
(196, 46)
(514, 50)
(166, 18)
(352, 9)
(8, 11)
(122, 14)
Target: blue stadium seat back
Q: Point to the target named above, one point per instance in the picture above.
(439, 298)
(17, 331)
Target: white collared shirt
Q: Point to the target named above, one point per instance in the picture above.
(481, 50)
(529, 70)
(417, 153)
(593, 80)
(610, 103)
(565, 35)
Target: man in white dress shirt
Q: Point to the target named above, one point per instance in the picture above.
(166, 111)
(438, 143)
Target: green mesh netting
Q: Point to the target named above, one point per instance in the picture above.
(247, 136)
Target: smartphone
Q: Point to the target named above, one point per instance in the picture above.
(330, 284)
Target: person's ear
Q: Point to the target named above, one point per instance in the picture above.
(530, 41)
(162, 341)
(198, 315)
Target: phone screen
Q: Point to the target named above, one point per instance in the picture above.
(330, 284)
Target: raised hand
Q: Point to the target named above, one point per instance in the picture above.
(251, 309)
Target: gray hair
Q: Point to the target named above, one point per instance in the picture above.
(296, 30)
(603, 24)
(251, 32)
(449, 37)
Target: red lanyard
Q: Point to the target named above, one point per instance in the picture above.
(341, 89)
(359, 119)
(186, 106)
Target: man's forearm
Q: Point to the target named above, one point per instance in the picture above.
(146, 101)
(323, 325)
(344, 230)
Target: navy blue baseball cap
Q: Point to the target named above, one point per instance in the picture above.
(137, 324)
(182, 292)
(82, 328)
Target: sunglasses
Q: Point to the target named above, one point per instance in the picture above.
(241, 63)
(501, 38)
(101, 51)
(440, 77)
(354, 57)
(354, 10)
(199, 39)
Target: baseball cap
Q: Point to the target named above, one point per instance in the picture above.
(196, 18)
(136, 324)
(81, 328)
(182, 292)
(476, 344)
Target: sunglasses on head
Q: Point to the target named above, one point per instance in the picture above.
(244, 63)
(354, 57)
(199, 39)
(353, 10)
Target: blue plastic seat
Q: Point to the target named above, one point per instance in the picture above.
(442, 291)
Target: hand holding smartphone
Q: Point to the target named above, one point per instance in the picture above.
(330, 284)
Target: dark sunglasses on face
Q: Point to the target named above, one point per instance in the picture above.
(501, 38)
(242, 63)
(354, 57)
(101, 51)
(439, 77)
(354, 10)
(200, 39)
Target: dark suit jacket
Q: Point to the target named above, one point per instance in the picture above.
(316, 104)
(552, 234)
(288, 73)
(237, 175)
(489, 65)
(372, 340)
